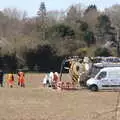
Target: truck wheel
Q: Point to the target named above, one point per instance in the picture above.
(94, 88)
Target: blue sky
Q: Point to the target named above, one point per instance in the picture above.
(31, 6)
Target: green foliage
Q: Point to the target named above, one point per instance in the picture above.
(89, 38)
(81, 52)
(104, 24)
(62, 30)
(83, 26)
(102, 52)
(43, 58)
(104, 20)
(42, 42)
(104, 31)
(9, 63)
(42, 9)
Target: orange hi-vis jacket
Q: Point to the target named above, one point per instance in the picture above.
(10, 79)
(21, 78)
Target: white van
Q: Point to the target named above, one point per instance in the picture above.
(107, 78)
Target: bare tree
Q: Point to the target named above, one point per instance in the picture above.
(14, 13)
(55, 16)
(74, 13)
(13, 26)
(114, 14)
(90, 16)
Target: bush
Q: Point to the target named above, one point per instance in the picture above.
(102, 52)
(62, 30)
(43, 59)
(81, 52)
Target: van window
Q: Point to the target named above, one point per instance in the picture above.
(102, 75)
(114, 74)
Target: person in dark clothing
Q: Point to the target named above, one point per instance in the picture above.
(1, 78)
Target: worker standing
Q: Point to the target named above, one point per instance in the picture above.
(1, 77)
(55, 80)
(46, 80)
(21, 79)
(56, 77)
(10, 80)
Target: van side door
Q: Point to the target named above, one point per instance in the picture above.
(114, 78)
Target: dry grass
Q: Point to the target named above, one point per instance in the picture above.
(37, 103)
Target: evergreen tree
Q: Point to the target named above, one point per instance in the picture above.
(42, 11)
(90, 8)
(104, 31)
(42, 20)
(89, 38)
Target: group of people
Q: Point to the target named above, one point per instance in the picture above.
(51, 79)
(11, 79)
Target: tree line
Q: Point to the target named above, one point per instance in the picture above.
(40, 43)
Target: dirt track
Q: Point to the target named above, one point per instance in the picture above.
(37, 103)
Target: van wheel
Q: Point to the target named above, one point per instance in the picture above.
(94, 88)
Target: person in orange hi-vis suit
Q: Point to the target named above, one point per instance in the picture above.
(21, 79)
(10, 80)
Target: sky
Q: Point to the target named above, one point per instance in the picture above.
(31, 6)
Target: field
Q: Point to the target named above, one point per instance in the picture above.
(37, 103)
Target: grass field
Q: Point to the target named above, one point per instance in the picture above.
(37, 103)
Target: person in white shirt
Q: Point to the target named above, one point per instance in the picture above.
(45, 80)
